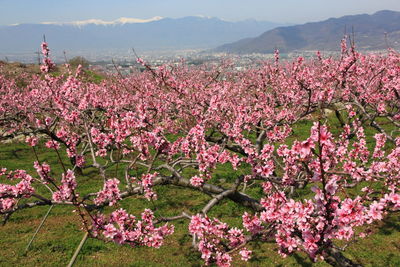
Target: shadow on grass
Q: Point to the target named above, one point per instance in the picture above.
(15, 152)
(390, 224)
(301, 260)
(393, 260)
(193, 257)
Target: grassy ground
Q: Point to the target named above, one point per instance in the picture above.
(61, 233)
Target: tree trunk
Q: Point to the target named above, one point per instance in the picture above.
(335, 258)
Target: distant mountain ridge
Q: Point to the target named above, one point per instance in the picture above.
(154, 34)
(372, 32)
(122, 20)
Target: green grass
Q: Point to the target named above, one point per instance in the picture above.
(61, 233)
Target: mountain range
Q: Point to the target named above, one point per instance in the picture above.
(371, 32)
(144, 35)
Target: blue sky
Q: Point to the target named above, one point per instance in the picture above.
(290, 11)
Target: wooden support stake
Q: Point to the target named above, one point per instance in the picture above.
(38, 229)
(78, 249)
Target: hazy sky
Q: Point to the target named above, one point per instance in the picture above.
(291, 11)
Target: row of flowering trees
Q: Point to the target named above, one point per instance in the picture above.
(171, 119)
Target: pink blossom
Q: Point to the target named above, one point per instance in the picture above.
(67, 187)
(147, 184)
(31, 140)
(123, 228)
(52, 144)
(196, 181)
(110, 193)
(245, 254)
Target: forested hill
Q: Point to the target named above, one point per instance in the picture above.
(371, 32)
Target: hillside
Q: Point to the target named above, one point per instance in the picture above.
(371, 32)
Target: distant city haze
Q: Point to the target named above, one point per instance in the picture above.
(283, 11)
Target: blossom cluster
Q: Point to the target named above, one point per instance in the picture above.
(48, 64)
(123, 228)
(9, 194)
(110, 193)
(147, 184)
(67, 187)
(216, 239)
